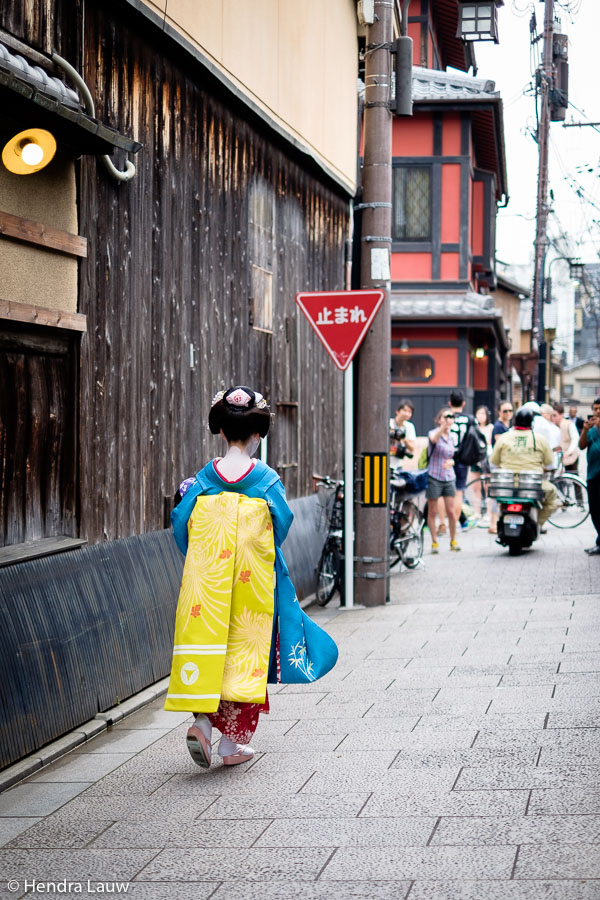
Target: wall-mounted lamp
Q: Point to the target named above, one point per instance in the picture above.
(29, 151)
(404, 346)
(478, 21)
(479, 352)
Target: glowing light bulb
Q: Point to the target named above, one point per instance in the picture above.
(32, 154)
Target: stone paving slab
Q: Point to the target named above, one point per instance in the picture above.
(447, 803)
(38, 799)
(200, 834)
(287, 806)
(417, 739)
(564, 801)
(506, 890)
(558, 862)
(348, 890)
(561, 830)
(567, 739)
(413, 831)
(57, 834)
(73, 864)
(512, 775)
(264, 864)
(427, 862)
(82, 767)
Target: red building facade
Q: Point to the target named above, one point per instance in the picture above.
(449, 176)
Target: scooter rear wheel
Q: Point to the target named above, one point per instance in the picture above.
(514, 549)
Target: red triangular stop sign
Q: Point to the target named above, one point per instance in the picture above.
(341, 319)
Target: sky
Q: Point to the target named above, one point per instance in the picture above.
(574, 161)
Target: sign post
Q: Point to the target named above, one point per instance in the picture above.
(341, 319)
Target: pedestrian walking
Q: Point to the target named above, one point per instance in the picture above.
(501, 426)
(441, 480)
(590, 439)
(502, 423)
(237, 627)
(459, 429)
(577, 420)
(569, 438)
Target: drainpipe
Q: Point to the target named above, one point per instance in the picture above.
(90, 109)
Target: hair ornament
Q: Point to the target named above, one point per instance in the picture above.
(218, 396)
(239, 397)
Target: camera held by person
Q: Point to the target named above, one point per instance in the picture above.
(402, 431)
(398, 446)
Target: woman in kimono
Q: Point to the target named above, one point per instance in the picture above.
(266, 635)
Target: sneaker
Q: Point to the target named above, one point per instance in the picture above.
(454, 546)
(435, 548)
(470, 523)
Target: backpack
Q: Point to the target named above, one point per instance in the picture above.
(473, 447)
(424, 455)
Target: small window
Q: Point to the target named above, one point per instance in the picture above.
(411, 203)
(411, 368)
(568, 390)
(589, 391)
(262, 299)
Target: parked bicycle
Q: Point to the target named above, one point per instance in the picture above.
(330, 570)
(406, 519)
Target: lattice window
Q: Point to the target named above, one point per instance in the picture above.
(411, 203)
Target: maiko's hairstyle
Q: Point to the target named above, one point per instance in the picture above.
(239, 413)
(457, 398)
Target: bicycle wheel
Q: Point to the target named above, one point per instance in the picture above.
(328, 574)
(406, 542)
(411, 552)
(573, 505)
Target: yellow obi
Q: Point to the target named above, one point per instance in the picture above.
(224, 618)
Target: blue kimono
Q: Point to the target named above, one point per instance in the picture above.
(306, 652)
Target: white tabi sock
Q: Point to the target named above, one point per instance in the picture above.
(228, 748)
(203, 723)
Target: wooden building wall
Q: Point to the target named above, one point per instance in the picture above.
(219, 213)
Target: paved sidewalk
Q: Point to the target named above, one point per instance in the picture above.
(452, 754)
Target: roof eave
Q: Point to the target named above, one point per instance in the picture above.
(80, 132)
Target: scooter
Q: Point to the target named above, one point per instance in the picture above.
(519, 496)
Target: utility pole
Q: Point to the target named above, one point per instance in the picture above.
(373, 382)
(545, 86)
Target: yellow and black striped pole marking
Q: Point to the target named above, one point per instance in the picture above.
(375, 474)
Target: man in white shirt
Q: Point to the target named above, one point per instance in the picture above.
(542, 423)
(402, 432)
(569, 438)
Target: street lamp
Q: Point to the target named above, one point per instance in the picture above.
(29, 151)
(478, 21)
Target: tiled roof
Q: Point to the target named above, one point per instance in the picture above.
(27, 89)
(430, 84)
(443, 306)
(38, 78)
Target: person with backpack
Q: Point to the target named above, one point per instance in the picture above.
(470, 449)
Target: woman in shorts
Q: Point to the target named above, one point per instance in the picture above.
(441, 481)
